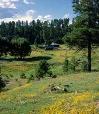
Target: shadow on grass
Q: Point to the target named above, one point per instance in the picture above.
(93, 70)
(38, 58)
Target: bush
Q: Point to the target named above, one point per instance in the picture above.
(43, 69)
(31, 77)
(66, 65)
(67, 88)
(50, 73)
(2, 83)
(84, 66)
(11, 76)
(69, 65)
(54, 76)
(23, 76)
(16, 79)
(84, 63)
(73, 64)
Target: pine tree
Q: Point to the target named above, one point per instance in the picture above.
(85, 26)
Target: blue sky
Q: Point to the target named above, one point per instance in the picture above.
(13, 10)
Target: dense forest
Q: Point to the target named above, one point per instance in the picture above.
(36, 32)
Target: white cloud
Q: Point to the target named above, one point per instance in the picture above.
(28, 16)
(14, 0)
(66, 16)
(30, 12)
(11, 3)
(8, 3)
(44, 18)
(28, 2)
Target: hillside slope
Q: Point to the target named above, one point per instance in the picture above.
(37, 98)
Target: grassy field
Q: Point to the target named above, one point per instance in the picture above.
(13, 67)
(36, 97)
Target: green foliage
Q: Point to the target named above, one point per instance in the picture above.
(66, 65)
(20, 47)
(2, 82)
(54, 76)
(31, 77)
(84, 64)
(43, 69)
(85, 28)
(23, 76)
(4, 46)
(67, 88)
(50, 74)
(69, 65)
(36, 32)
(73, 64)
(78, 37)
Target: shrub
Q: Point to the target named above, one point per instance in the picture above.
(43, 69)
(84, 65)
(11, 76)
(73, 64)
(16, 79)
(70, 65)
(50, 74)
(23, 76)
(2, 83)
(67, 88)
(66, 65)
(31, 77)
(54, 76)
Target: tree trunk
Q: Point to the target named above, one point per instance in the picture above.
(89, 55)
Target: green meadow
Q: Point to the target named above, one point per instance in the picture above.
(36, 97)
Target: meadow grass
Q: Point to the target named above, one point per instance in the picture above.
(37, 98)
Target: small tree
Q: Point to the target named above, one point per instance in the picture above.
(43, 69)
(20, 47)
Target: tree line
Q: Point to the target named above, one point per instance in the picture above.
(36, 32)
(16, 37)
